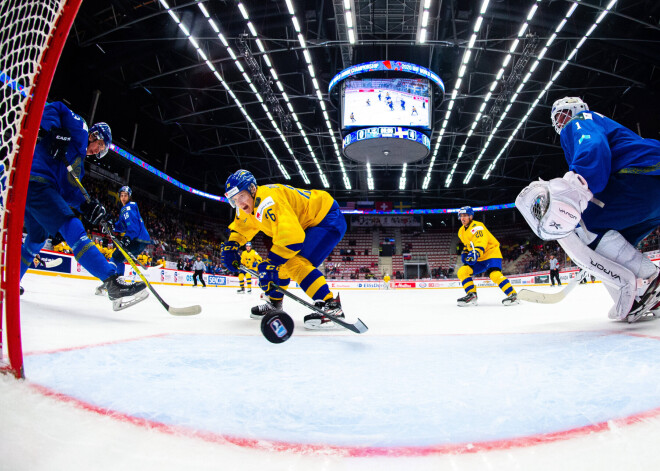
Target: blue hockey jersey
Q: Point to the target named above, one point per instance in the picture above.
(131, 224)
(596, 147)
(49, 170)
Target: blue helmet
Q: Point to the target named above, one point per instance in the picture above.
(102, 131)
(238, 181)
(466, 210)
(126, 189)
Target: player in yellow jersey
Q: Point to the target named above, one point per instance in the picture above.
(386, 281)
(305, 226)
(251, 259)
(480, 255)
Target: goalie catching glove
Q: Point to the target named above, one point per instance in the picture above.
(553, 209)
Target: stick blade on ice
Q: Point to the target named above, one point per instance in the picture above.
(185, 311)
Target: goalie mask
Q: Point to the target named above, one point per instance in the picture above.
(565, 109)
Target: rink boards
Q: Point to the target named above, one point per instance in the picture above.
(71, 268)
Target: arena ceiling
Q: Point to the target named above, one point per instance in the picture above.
(161, 97)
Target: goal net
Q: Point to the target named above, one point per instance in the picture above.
(32, 35)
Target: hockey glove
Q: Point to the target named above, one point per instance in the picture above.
(125, 241)
(61, 138)
(93, 211)
(470, 258)
(269, 277)
(230, 257)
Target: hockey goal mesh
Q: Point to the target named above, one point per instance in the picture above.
(32, 35)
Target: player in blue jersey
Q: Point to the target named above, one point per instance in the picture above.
(52, 192)
(605, 205)
(134, 235)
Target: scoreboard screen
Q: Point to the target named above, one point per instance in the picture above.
(386, 102)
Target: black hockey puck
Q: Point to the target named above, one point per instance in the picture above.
(277, 326)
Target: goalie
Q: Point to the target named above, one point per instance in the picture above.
(605, 205)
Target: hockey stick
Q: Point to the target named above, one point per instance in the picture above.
(550, 298)
(359, 327)
(48, 263)
(175, 311)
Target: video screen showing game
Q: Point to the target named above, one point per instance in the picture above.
(386, 102)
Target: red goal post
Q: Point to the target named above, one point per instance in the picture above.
(32, 36)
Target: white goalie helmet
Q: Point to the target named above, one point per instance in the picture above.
(570, 106)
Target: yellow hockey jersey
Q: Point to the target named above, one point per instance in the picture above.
(248, 259)
(484, 242)
(282, 213)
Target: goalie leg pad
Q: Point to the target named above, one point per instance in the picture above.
(615, 247)
(610, 272)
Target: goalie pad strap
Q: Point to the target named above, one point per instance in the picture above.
(611, 273)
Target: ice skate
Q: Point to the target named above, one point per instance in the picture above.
(258, 312)
(240, 291)
(511, 300)
(316, 321)
(101, 290)
(249, 290)
(468, 300)
(655, 310)
(124, 294)
(648, 301)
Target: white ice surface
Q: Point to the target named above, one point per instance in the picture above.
(427, 373)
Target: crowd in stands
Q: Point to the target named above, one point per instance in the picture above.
(650, 243)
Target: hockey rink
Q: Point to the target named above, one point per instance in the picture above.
(429, 386)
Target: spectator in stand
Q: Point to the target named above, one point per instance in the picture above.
(62, 247)
(198, 268)
(554, 271)
(180, 265)
(143, 258)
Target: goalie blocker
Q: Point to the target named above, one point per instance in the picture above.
(553, 211)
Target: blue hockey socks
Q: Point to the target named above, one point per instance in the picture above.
(86, 253)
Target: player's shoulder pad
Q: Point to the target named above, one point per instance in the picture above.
(261, 209)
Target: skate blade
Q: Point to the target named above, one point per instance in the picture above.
(256, 316)
(467, 304)
(101, 292)
(511, 303)
(122, 303)
(315, 324)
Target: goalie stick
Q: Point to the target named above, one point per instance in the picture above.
(550, 298)
(175, 311)
(359, 327)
